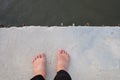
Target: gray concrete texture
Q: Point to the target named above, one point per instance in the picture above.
(94, 51)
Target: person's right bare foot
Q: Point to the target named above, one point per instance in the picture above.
(63, 60)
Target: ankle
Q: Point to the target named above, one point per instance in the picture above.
(61, 68)
(39, 73)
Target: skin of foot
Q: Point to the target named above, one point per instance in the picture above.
(63, 60)
(39, 65)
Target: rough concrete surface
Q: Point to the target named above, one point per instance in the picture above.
(94, 51)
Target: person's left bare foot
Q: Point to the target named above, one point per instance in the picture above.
(39, 65)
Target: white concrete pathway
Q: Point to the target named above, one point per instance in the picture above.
(94, 51)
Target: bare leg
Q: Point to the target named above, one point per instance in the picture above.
(39, 65)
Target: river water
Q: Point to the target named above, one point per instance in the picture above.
(57, 12)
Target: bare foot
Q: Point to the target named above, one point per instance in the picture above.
(39, 65)
(63, 60)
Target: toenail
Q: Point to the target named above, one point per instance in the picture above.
(43, 55)
(60, 51)
(40, 56)
(64, 51)
(37, 56)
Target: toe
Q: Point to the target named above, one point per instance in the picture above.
(42, 55)
(63, 51)
(68, 55)
(60, 51)
(37, 56)
(66, 52)
(33, 60)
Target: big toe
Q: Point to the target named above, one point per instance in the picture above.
(42, 55)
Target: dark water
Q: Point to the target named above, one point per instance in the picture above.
(55, 12)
